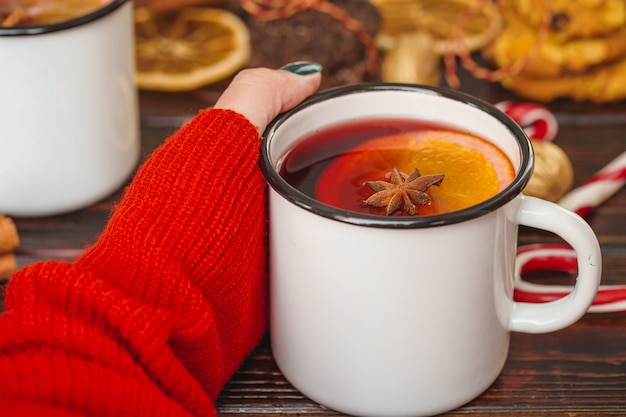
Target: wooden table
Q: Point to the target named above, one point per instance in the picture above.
(579, 371)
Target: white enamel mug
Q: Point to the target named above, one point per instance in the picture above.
(406, 316)
(69, 122)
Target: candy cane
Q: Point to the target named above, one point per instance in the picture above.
(538, 122)
(545, 257)
(556, 257)
(597, 189)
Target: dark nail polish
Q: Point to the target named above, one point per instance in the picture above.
(302, 67)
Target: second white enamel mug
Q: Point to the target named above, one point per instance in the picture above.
(69, 119)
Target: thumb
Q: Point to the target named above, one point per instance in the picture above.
(260, 94)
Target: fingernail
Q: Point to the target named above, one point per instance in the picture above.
(302, 67)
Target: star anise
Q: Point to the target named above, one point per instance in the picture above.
(402, 192)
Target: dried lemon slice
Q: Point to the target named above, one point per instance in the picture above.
(189, 48)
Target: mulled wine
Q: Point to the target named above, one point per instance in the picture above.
(397, 167)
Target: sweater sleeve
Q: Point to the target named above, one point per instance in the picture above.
(157, 315)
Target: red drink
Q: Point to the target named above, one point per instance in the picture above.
(334, 165)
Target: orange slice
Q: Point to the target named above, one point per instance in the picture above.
(439, 18)
(189, 48)
(474, 169)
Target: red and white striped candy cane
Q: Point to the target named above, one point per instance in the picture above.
(546, 257)
(597, 189)
(540, 124)
(559, 257)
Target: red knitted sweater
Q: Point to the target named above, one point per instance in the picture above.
(155, 317)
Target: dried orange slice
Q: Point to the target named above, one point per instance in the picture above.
(439, 18)
(474, 169)
(189, 48)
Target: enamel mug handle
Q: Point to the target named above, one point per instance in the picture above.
(558, 314)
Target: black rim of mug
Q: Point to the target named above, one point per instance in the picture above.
(67, 24)
(399, 222)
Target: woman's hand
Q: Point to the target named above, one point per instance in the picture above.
(260, 94)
